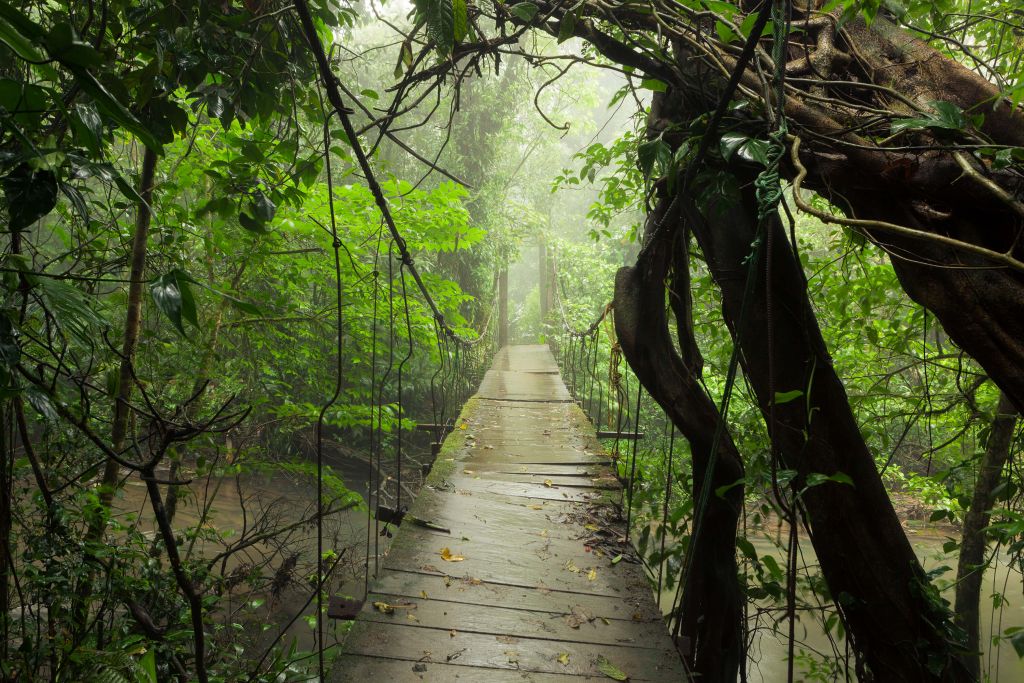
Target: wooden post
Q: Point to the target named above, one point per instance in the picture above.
(542, 283)
(503, 308)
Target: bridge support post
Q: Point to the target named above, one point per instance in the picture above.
(503, 308)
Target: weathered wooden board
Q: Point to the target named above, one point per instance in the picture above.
(533, 588)
(363, 669)
(488, 651)
(636, 608)
(572, 623)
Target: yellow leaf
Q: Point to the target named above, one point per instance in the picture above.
(571, 566)
(536, 507)
(592, 574)
(384, 608)
(563, 658)
(411, 617)
(448, 556)
(463, 426)
(423, 594)
(548, 483)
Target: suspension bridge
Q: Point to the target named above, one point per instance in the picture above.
(513, 564)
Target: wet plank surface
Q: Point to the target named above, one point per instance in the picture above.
(521, 573)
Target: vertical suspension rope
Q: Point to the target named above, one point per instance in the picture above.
(632, 469)
(338, 378)
(401, 371)
(373, 413)
(665, 505)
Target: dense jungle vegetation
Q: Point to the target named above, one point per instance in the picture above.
(251, 248)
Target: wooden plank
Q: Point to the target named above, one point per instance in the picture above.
(399, 641)
(568, 621)
(629, 607)
(363, 669)
(556, 567)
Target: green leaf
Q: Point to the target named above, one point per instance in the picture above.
(147, 666)
(654, 84)
(567, 27)
(87, 127)
(439, 18)
(947, 116)
(460, 18)
(42, 404)
(782, 397)
(525, 11)
(30, 195)
(263, 208)
(18, 43)
(731, 143)
(1017, 640)
(817, 479)
(610, 670)
(651, 152)
(173, 297)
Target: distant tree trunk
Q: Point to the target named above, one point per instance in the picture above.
(130, 340)
(971, 566)
(711, 616)
(132, 325)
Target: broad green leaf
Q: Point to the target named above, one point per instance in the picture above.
(567, 27)
(1017, 640)
(461, 20)
(782, 397)
(42, 403)
(731, 143)
(817, 479)
(87, 127)
(30, 195)
(110, 106)
(147, 666)
(18, 43)
(263, 208)
(439, 18)
(654, 84)
(947, 116)
(173, 297)
(525, 11)
(653, 152)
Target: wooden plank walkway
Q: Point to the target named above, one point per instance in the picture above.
(531, 589)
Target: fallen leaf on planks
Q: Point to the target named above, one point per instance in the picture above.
(448, 556)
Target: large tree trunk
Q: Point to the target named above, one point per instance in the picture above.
(892, 615)
(896, 621)
(971, 565)
(711, 618)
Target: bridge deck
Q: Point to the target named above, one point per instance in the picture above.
(531, 588)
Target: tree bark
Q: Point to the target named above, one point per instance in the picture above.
(970, 570)
(897, 623)
(711, 612)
